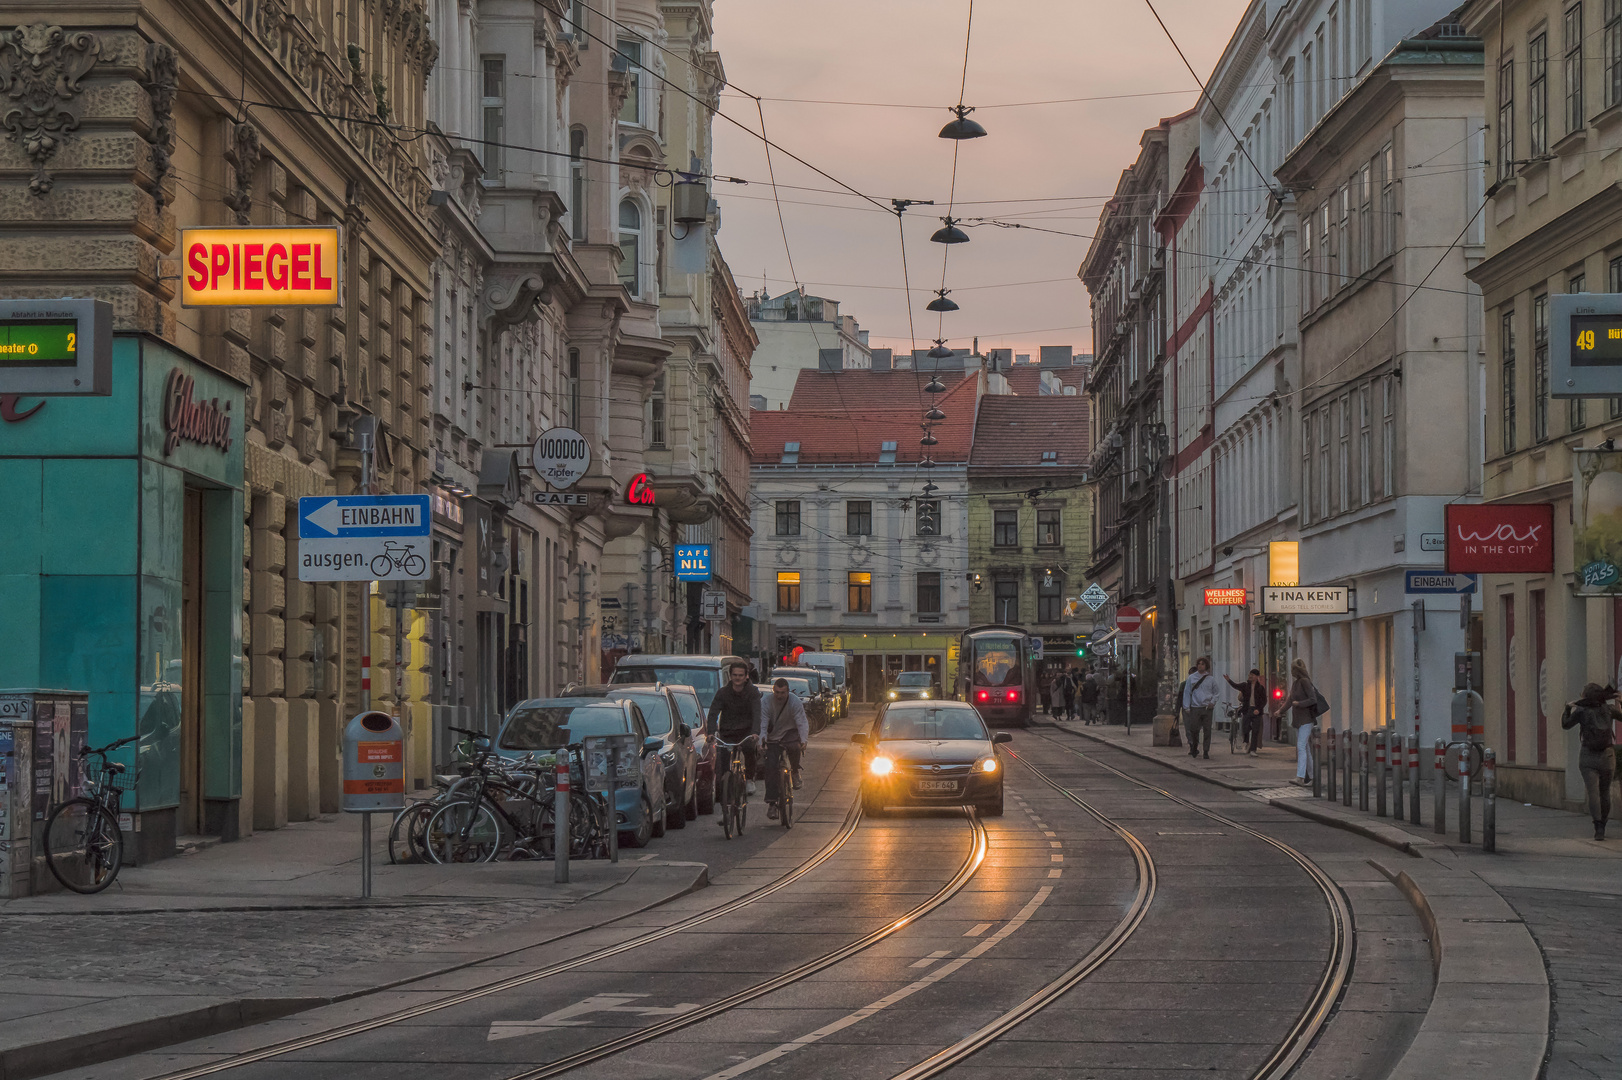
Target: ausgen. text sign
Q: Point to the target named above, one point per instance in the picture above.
(363, 537)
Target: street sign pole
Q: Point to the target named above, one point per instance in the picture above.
(365, 428)
(613, 803)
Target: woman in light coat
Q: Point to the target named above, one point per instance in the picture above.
(1302, 702)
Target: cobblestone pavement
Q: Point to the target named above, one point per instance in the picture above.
(1581, 940)
(238, 951)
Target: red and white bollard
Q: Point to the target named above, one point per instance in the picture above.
(560, 821)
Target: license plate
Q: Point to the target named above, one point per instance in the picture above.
(936, 785)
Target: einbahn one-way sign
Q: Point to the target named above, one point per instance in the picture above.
(363, 537)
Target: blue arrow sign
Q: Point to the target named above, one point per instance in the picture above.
(323, 517)
(1427, 582)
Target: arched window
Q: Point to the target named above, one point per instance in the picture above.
(631, 246)
(577, 183)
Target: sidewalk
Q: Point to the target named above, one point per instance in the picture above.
(1548, 875)
(272, 924)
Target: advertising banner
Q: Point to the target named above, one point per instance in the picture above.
(1500, 539)
(1305, 600)
(260, 267)
(1596, 500)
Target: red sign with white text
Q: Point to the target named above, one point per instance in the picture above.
(1500, 539)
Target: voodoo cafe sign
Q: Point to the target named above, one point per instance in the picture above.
(260, 267)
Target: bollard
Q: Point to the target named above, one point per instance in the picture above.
(1412, 744)
(1332, 763)
(1439, 796)
(561, 839)
(1379, 772)
(1464, 793)
(1347, 759)
(1399, 774)
(1489, 800)
(365, 856)
(1320, 743)
(1362, 770)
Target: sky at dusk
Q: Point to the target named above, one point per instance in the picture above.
(1046, 165)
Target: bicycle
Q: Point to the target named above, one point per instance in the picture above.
(777, 759)
(398, 556)
(734, 800)
(84, 846)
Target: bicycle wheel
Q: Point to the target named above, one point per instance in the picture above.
(414, 565)
(405, 835)
(83, 846)
(381, 565)
(460, 832)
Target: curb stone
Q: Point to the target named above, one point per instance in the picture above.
(1175, 766)
(1388, 835)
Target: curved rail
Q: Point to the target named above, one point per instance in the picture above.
(976, 856)
(846, 830)
(1315, 1013)
(1117, 937)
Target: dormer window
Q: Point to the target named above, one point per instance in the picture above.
(1050, 457)
(887, 453)
(791, 453)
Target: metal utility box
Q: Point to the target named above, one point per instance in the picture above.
(691, 202)
(47, 729)
(374, 764)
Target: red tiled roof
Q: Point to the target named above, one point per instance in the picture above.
(843, 390)
(831, 435)
(1012, 432)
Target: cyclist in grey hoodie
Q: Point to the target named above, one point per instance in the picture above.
(785, 730)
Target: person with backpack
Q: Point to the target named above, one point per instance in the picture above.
(1198, 698)
(1306, 704)
(1088, 696)
(1595, 713)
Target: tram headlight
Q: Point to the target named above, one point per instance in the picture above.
(881, 766)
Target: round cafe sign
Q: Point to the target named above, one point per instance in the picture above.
(561, 456)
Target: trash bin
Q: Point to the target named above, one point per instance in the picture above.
(41, 734)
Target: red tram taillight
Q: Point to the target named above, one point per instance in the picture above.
(984, 695)
(1013, 697)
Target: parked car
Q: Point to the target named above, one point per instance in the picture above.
(931, 753)
(912, 686)
(841, 692)
(663, 715)
(705, 674)
(837, 662)
(692, 714)
(549, 724)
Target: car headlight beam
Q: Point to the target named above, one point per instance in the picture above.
(881, 766)
(988, 765)
(892, 695)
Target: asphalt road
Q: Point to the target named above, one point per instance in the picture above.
(916, 931)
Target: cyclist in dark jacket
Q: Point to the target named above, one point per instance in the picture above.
(735, 715)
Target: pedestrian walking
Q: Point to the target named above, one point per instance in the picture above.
(1595, 713)
(1068, 688)
(1252, 703)
(1199, 695)
(1306, 704)
(1045, 688)
(1088, 696)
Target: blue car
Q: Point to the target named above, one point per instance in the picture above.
(546, 725)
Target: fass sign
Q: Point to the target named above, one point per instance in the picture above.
(260, 267)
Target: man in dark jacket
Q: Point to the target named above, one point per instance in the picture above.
(1088, 695)
(734, 716)
(1252, 703)
(1596, 713)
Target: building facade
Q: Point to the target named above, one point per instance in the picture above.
(800, 332)
(1553, 225)
(855, 554)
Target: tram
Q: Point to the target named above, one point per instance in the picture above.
(996, 673)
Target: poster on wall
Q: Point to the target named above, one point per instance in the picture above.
(1596, 535)
(1500, 538)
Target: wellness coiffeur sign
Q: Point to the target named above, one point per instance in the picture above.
(260, 267)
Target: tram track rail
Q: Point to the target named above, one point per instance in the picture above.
(847, 829)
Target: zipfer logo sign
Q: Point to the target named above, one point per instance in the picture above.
(1501, 539)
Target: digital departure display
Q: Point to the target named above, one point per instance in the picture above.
(1596, 340)
(32, 343)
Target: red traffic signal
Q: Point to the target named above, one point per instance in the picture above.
(1278, 691)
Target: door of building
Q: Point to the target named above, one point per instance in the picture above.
(191, 666)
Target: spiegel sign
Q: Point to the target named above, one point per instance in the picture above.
(1500, 539)
(260, 267)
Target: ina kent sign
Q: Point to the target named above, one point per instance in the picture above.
(260, 267)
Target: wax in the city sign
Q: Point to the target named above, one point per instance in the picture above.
(692, 562)
(1306, 600)
(363, 537)
(560, 456)
(1502, 538)
(260, 267)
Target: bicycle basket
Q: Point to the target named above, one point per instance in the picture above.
(119, 781)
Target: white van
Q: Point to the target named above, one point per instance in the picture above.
(837, 663)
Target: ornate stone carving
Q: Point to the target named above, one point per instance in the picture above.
(162, 79)
(40, 69)
(510, 296)
(243, 156)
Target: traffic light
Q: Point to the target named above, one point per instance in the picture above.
(1083, 646)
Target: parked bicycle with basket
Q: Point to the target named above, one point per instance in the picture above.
(84, 846)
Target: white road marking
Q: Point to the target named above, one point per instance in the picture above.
(977, 929)
(1054, 843)
(570, 1016)
(1056, 858)
(1050, 832)
(931, 958)
(948, 968)
(1055, 873)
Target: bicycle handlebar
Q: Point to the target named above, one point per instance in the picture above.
(734, 745)
(86, 751)
(467, 731)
